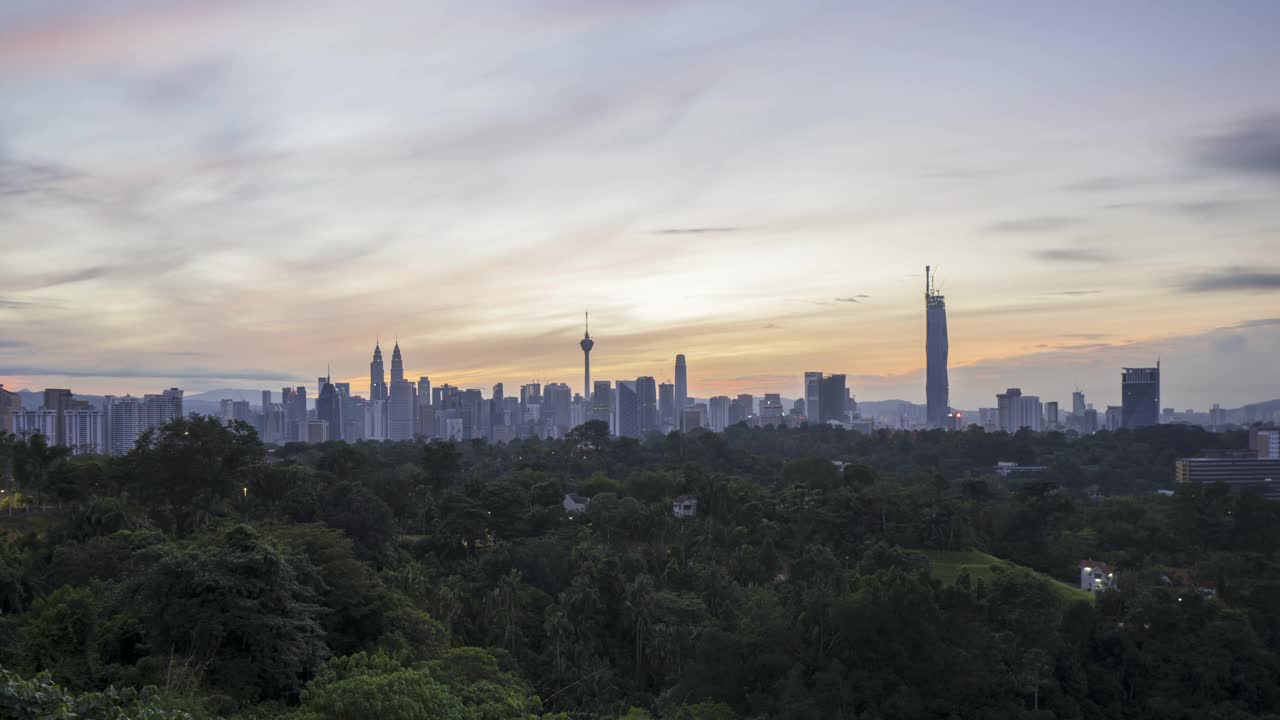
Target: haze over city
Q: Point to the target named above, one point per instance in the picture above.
(229, 194)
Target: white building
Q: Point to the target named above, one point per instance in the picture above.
(84, 430)
(574, 503)
(126, 420)
(684, 506)
(1096, 576)
(1016, 411)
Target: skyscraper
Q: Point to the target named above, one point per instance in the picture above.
(1140, 396)
(667, 406)
(1077, 403)
(682, 385)
(586, 344)
(329, 409)
(377, 376)
(602, 402)
(397, 364)
(557, 398)
(10, 402)
(628, 409)
(1018, 411)
(831, 399)
(937, 392)
(647, 390)
(812, 396)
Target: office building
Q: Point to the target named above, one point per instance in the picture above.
(771, 410)
(602, 402)
(718, 413)
(1114, 418)
(586, 344)
(1265, 442)
(557, 404)
(831, 399)
(647, 392)
(1077, 403)
(329, 409)
(812, 396)
(693, 417)
(1257, 475)
(682, 384)
(1217, 418)
(937, 389)
(1051, 416)
(627, 410)
(400, 408)
(378, 392)
(1140, 397)
(10, 402)
(667, 406)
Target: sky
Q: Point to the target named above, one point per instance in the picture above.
(236, 193)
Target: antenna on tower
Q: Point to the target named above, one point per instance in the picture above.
(928, 285)
(586, 322)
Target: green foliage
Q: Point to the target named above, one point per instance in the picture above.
(234, 605)
(448, 581)
(41, 697)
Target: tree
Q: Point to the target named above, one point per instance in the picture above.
(233, 604)
(189, 462)
(58, 636)
(41, 697)
(34, 460)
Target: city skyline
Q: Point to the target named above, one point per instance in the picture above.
(191, 197)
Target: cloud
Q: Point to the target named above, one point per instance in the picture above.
(1074, 255)
(1037, 224)
(48, 280)
(12, 344)
(1233, 279)
(846, 299)
(8, 304)
(697, 230)
(167, 373)
(1252, 148)
(1074, 293)
(1261, 322)
(1086, 336)
(1208, 208)
(1233, 343)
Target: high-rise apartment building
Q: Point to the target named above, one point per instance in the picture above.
(813, 396)
(937, 388)
(1140, 397)
(718, 413)
(682, 384)
(1017, 411)
(164, 408)
(126, 421)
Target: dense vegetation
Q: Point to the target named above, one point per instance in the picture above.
(203, 575)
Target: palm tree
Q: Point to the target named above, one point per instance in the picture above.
(32, 462)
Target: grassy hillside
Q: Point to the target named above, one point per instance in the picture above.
(949, 564)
